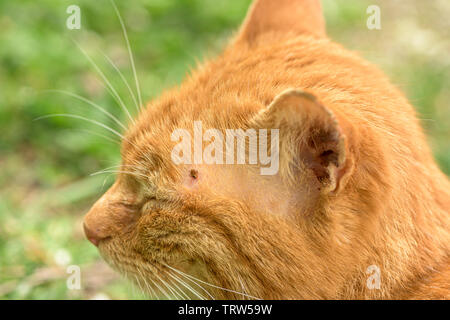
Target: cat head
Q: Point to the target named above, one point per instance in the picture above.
(177, 225)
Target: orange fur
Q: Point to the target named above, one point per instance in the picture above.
(357, 184)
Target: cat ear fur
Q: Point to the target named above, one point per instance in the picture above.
(285, 16)
(311, 138)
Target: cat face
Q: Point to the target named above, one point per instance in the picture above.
(225, 224)
(224, 230)
(166, 224)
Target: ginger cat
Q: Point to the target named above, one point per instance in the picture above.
(356, 187)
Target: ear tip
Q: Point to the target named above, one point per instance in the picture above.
(291, 92)
(298, 95)
(284, 17)
(308, 102)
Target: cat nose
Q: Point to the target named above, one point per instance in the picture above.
(93, 235)
(108, 216)
(97, 222)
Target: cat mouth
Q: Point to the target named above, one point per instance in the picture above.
(157, 280)
(162, 280)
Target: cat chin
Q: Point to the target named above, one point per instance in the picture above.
(146, 275)
(124, 262)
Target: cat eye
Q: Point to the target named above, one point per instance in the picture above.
(130, 207)
(153, 203)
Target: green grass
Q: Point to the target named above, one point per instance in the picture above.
(45, 182)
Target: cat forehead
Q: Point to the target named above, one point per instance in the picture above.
(149, 139)
(221, 111)
(224, 93)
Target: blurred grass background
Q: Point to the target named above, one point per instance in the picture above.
(45, 165)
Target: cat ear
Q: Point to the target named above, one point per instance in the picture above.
(298, 16)
(311, 139)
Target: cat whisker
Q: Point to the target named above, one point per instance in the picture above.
(200, 286)
(75, 116)
(139, 283)
(90, 102)
(168, 286)
(104, 181)
(124, 81)
(149, 288)
(164, 292)
(424, 119)
(179, 290)
(103, 170)
(119, 171)
(108, 138)
(138, 167)
(128, 278)
(99, 135)
(143, 278)
(242, 286)
(210, 284)
(130, 53)
(110, 87)
(186, 285)
(154, 283)
(113, 167)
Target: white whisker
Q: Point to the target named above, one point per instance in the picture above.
(112, 167)
(153, 293)
(181, 291)
(99, 135)
(242, 285)
(124, 81)
(81, 98)
(104, 182)
(200, 286)
(164, 292)
(130, 54)
(186, 285)
(210, 284)
(119, 171)
(129, 280)
(113, 91)
(169, 287)
(139, 284)
(81, 118)
(108, 138)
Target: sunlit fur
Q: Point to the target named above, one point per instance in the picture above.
(291, 235)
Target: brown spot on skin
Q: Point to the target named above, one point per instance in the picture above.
(193, 173)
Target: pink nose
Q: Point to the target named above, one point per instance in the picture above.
(93, 235)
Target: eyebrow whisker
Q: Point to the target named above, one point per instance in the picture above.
(124, 81)
(110, 87)
(95, 105)
(75, 116)
(130, 53)
(119, 171)
(116, 166)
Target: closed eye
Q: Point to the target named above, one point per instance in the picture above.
(154, 203)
